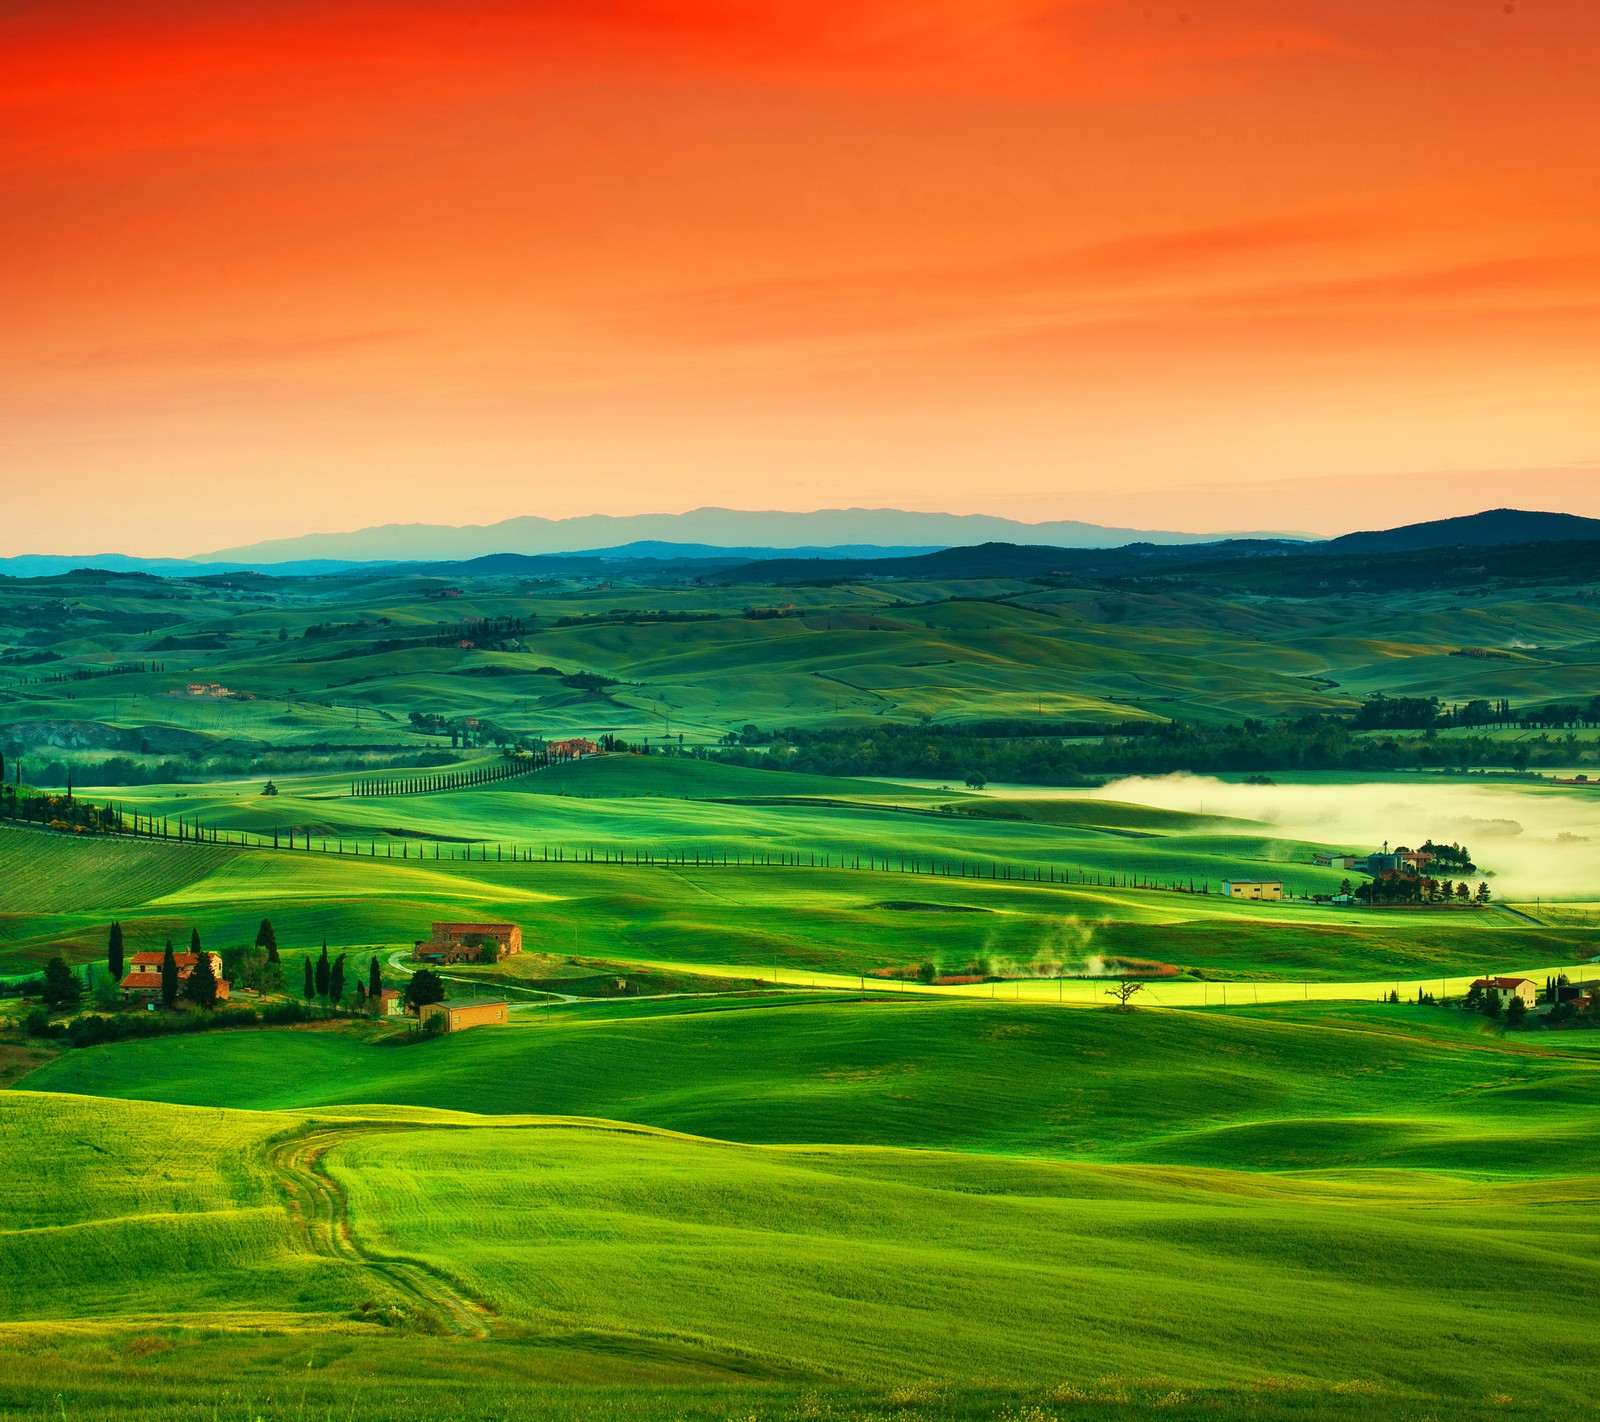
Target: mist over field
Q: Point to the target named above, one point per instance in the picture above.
(1530, 841)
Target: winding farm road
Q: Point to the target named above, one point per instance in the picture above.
(319, 1206)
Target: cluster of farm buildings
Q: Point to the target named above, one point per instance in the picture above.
(1408, 862)
(447, 943)
(466, 943)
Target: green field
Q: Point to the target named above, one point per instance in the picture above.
(839, 898)
(729, 1158)
(974, 1209)
(342, 661)
(1291, 1089)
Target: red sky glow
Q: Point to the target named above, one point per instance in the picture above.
(274, 267)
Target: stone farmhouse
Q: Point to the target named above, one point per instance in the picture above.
(572, 748)
(449, 942)
(142, 982)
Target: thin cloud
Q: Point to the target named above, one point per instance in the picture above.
(236, 350)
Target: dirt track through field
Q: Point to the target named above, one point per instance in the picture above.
(319, 1206)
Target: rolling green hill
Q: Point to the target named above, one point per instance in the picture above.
(1217, 1090)
(650, 1270)
(861, 1198)
(323, 664)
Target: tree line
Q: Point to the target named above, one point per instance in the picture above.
(503, 769)
(1302, 743)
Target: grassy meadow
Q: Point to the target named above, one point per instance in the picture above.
(729, 1158)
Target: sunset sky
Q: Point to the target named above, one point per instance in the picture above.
(274, 267)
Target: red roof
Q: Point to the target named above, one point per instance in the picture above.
(1501, 982)
(147, 960)
(146, 969)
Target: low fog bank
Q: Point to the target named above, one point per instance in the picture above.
(1535, 842)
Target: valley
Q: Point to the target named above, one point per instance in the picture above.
(812, 1096)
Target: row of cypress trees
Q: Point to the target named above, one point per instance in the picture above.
(325, 979)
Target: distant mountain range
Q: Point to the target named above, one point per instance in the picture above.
(720, 529)
(1492, 528)
(1421, 556)
(1025, 550)
(45, 565)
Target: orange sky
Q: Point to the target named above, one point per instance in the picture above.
(272, 267)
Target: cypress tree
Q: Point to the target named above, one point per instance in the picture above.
(169, 977)
(266, 938)
(322, 971)
(194, 940)
(374, 978)
(336, 981)
(200, 987)
(311, 987)
(114, 952)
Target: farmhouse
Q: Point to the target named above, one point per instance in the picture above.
(1327, 860)
(574, 747)
(390, 1003)
(1266, 889)
(1401, 861)
(143, 980)
(449, 942)
(1513, 987)
(465, 1012)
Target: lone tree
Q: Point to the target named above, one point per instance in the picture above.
(269, 789)
(200, 987)
(322, 971)
(976, 780)
(1124, 992)
(61, 987)
(425, 986)
(114, 952)
(311, 985)
(169, 977)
